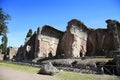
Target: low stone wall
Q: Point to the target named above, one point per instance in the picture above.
(76, 65)
(88, 66)
(1, 56)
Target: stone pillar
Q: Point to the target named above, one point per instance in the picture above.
(115, 36)
(112, 27)
(118, 64)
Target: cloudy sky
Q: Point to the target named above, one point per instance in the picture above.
(31, 14)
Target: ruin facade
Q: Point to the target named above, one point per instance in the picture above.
(74, 40)
(77, 41)
(101, 42)
(11, 52)
(47, 41)
(43, 43)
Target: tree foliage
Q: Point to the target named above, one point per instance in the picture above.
(29, 34)
(3, 30)
(3, 46)
(3, 23)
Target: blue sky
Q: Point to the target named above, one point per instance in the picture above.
(31, 14)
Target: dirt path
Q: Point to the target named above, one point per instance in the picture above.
(9, 74)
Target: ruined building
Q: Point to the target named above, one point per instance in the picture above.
(12, 51)
(101, 42)
(74, 40)
(77, 41)
(43, 43)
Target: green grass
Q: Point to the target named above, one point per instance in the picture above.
(19, 67)
(66, 75)
(63, 75)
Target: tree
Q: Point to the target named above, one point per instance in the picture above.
(29, 34)
(3, 46)
(3, 30)
(3, 23)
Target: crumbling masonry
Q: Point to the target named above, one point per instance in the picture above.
(77, 41)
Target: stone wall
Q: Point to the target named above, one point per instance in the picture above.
(20, 54)
(12, 51)
(47, 41)
(29, 47)
(118, 64)
(1, 56)
(43, 43)
(74, 41)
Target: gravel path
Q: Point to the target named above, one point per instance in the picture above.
(9, 74)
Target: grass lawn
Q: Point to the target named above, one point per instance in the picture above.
(63, 75)
(66, 75)
(20, 67)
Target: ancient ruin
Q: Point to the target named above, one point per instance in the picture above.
(73, 46)
(77, 41)
(11, 52)
(102, 41)
(1, 56)
(74, 40)
(43, 43)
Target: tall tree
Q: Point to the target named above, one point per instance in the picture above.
(3, 23)
(3, 30)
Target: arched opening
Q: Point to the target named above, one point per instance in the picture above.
(50, 54)
(81, 54)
